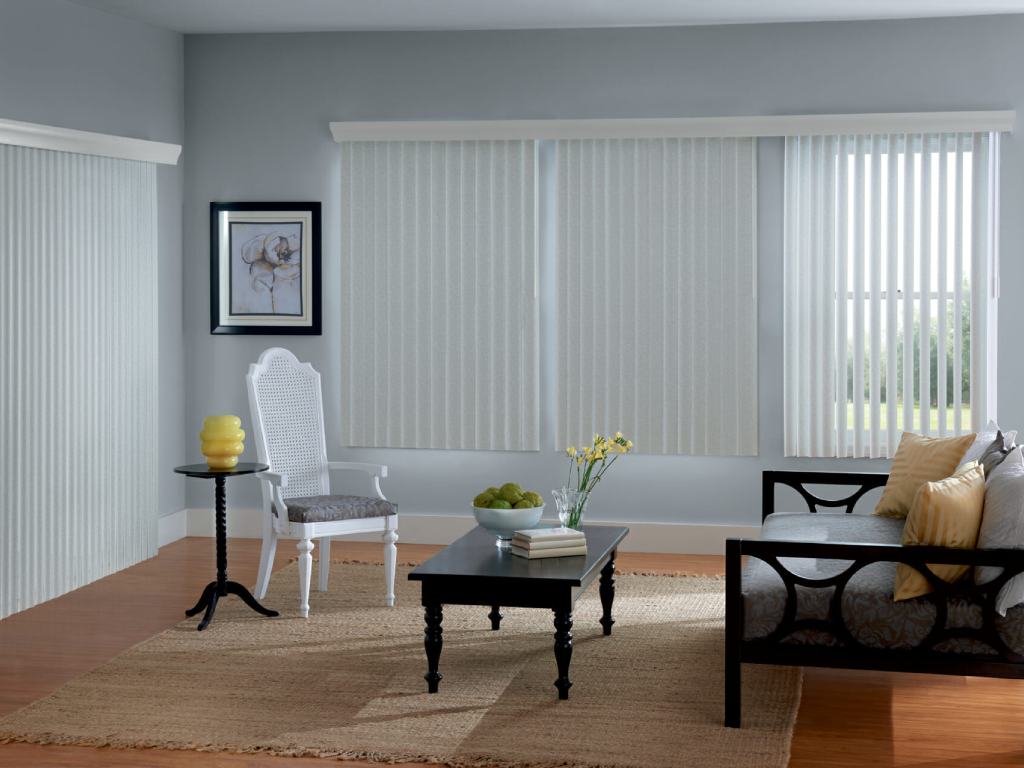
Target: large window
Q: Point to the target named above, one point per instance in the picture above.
(657, 293)
(439, 312)
(890, 289)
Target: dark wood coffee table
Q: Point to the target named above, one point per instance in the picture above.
(472, 571)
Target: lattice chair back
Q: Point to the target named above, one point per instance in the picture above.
(288, 422)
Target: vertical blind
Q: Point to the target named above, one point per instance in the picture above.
(657, 296)
(440, 314)
(77, 370)
(889, 289)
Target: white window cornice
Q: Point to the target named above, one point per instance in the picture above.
(40, 136)
(675, 127)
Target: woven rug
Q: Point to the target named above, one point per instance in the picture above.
(348, 683)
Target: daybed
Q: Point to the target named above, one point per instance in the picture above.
(817, 590)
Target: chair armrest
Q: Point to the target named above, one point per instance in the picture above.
(274, 478)
(798, 479)
(378, 470)
(375, 471)
(277, 482)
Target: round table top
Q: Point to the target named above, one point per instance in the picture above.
(201, 470)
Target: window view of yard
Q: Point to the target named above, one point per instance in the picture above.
(965, 417)
(951, 347)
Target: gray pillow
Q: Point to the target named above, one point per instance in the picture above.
(994, 454)
(1002, 525)
(984, 440)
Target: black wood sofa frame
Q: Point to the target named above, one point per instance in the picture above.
(849, 653)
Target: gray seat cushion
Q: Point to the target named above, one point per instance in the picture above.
(869, 611)
(329, 509)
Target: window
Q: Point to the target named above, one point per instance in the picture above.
(439, 278)
(657, 293)
(79, 356)
(890, 289)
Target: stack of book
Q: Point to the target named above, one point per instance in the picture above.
(548, 542)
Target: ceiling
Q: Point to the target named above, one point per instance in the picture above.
(209, 16)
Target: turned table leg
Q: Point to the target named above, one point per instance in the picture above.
(495, 617)
(432, 643)
(607, 592)
(563, 651)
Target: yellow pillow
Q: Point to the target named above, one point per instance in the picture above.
(919, 460)
(945, 514)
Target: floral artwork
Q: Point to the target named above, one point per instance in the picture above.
(266, 268)
(265, 271)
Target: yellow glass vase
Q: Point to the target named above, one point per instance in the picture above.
(221, 441)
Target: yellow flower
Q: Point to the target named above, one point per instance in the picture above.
(629, 445)
(571, 450)
(597, 438)
(618, 435)
(579, 459)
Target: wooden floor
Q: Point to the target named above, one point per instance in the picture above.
(846, 718)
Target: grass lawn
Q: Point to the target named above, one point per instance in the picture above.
(965, 417)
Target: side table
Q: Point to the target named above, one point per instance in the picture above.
(221, 587)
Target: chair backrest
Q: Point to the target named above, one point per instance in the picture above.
(288, 421)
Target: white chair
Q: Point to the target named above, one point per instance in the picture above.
(288, 429)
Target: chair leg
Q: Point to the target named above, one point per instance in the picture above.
(325, 563)
(266, 563)
(390, 559)
(305, 547)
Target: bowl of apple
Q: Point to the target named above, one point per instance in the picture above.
(507, 509)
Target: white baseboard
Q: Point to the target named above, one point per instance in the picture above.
(171, 527)
(677, 538)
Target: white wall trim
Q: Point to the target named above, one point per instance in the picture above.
(41, 136)
(679, 538)
(675, 127)
(170, 528)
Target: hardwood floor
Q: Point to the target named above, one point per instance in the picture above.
(846, 718)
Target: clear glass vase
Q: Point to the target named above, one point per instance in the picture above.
(571, 503)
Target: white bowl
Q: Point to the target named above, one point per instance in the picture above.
(504, 522)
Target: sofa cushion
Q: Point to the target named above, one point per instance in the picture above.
(328, 509)
(946, 513)
(919, 460)
(868, 609)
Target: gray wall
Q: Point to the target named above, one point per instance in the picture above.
(73, 67)
(257, 109)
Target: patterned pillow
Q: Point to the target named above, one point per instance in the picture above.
(946, 513)
(994, 454)
(984, 440)
(1002, 525)
(919, 460)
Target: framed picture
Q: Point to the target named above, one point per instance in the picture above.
(265, 268)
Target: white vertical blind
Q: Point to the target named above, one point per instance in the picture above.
(440, 313)
(78, 371)
(902, 226)
(658, 293)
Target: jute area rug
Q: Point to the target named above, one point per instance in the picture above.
(348, 683)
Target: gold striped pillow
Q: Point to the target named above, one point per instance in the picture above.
(945, 514)
(919, 460)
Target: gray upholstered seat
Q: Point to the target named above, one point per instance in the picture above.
(326, 509)
(869, 611)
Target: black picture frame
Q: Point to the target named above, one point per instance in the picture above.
(223, 317)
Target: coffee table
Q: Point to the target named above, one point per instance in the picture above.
(472, 571)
